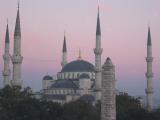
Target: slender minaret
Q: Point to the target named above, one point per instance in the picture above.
(108, 102)
(98, 51)
(17, 58)
(149, 73)
(64, 54)
(6, 58)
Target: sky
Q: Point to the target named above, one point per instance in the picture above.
(124, 25)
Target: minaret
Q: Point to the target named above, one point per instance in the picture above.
(98, 51)
(17, 58)
(108, 102)
(6, 58)
(64, 55)
(149, 73)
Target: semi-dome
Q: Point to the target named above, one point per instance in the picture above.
(64, 84)
(78, 66)
(84, 76)
(47, 77)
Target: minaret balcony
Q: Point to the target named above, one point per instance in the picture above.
(97, 69)
(6, 72)
(6, 57)
(149, 75)
(98, 51)
(149, 90)
(97, 90)
(149, 59)
(17, 59)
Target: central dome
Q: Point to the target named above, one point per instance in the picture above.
(78, 66)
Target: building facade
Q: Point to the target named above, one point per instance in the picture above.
(78, 79)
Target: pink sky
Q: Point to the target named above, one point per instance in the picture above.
(124, 33)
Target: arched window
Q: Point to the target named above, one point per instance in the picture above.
(63, 91)
(78, 75)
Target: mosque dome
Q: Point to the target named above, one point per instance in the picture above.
(47, 77)
(78, 66)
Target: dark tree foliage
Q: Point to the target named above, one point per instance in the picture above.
(18, 104)
(80, 110)
(129, 108)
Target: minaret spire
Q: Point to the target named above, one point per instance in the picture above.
(98, 30)
(7, 34)
(64, 52)
(18, 4)
(149, 73)
(17, 31)
(149, 43)
(98, 51)
(6, 58)
(17, 58)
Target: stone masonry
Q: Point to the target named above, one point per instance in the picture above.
(108, 101)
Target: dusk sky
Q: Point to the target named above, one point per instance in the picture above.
(124, 25)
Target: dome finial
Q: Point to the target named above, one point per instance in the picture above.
(79, 56)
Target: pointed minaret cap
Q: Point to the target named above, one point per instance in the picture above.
(17, 31)
(108, 63)
(149, 43)
(7, 34)
(98, 29)
(64, 44)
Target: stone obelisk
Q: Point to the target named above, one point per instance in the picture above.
(108, 101)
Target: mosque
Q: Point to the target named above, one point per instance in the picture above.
(78, 79)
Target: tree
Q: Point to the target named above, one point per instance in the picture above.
(129, 108)
(80, 110)
(20, 104)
